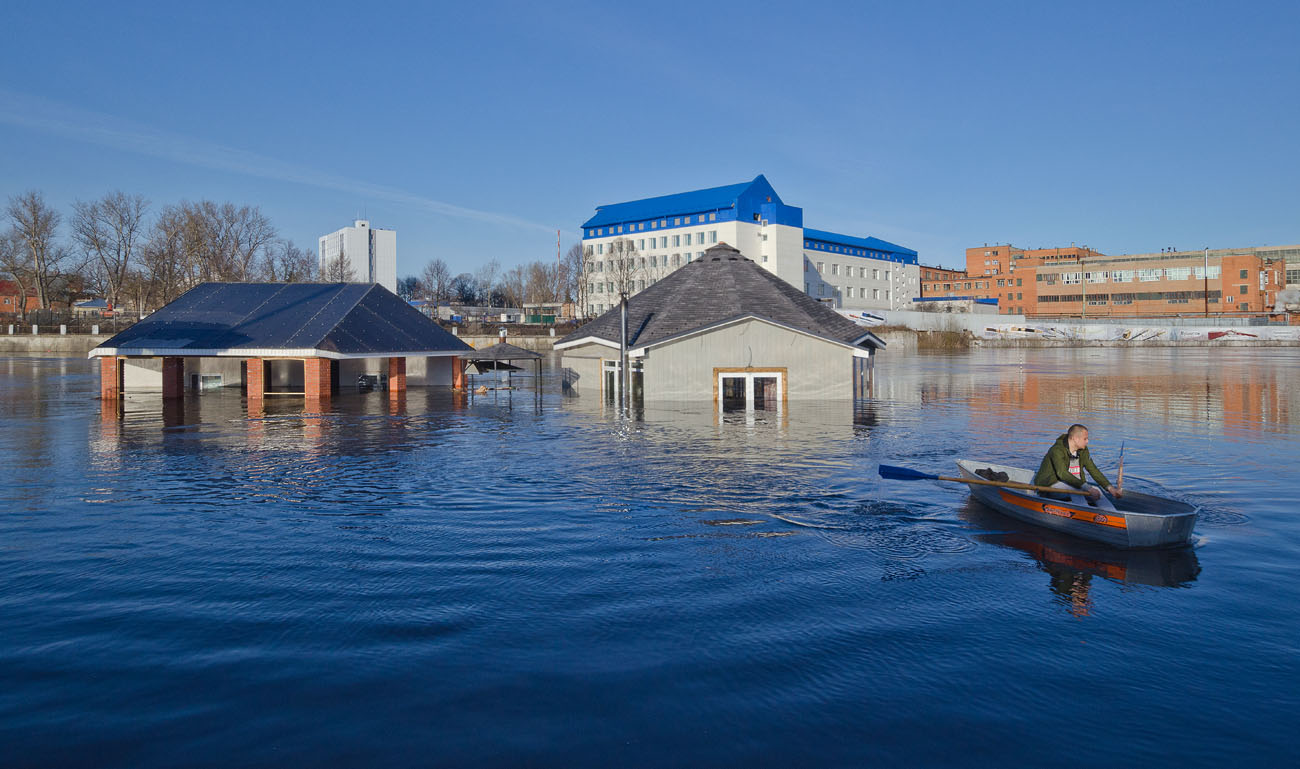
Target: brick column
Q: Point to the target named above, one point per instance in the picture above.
(457, 373)
(173, 377)
(396, 377)
(255, 384)
(316, 378)
(110, 378)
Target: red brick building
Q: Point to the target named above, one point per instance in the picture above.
(1082, 282)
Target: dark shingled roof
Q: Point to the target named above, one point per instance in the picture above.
(502, 351)
(348, 319)
(721, 286)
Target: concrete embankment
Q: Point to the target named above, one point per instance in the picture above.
(58, 344)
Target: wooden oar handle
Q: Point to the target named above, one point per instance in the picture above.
(1015, 485)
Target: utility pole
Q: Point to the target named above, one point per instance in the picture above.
(1206, 275)
(623, 375)
(1083, 283)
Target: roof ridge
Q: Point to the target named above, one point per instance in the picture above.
(346, 312)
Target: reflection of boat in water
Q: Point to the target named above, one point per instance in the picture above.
(1138, 520)
(1066, 558)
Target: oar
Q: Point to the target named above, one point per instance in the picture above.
(908, 474)
(1119, 483)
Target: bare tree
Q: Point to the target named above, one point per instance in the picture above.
(337, 268)
(16, 264)
(625, 267)
(108, 230)
(286, 263)
(36, 224)
(166, 259)
(514, 285)
(436, 279)
(575, 275)
(485, 278)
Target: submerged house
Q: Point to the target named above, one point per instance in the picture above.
(723, 329)
(280, 338)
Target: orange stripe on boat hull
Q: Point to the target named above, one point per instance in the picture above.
(1101, 519)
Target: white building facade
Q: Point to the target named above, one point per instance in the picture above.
(664, 233)
(370, 253)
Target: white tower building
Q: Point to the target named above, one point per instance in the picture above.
(369, 254)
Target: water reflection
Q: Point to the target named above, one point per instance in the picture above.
(1072, 563)
(1238, 390)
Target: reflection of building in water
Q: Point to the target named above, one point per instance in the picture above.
(1222, 387)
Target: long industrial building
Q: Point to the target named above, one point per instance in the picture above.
(632, 245)
(1081, 282)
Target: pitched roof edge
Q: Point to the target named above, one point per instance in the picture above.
(738, 318)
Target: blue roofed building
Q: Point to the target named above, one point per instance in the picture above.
(632, 245)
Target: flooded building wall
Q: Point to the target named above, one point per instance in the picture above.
(684, 370)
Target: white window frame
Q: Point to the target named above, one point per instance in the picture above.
(749, 377)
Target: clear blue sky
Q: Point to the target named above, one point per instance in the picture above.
(477, 129)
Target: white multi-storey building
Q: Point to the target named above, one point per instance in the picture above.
(666, 232)
(369, 253)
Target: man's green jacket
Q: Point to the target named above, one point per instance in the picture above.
(1056, 467)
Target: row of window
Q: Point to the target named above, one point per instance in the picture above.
(607, 287)
(846, 292)
(1129, 276)
(817, 245)
(647, 244)
(1176, 297)
(848, 271)
(678, 221)
(1002, 283)
(642, 262)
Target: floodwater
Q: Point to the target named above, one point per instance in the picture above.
(525, 580)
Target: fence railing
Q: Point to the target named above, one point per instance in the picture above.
(57, 323)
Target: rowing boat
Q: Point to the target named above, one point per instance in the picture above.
(1139, 520)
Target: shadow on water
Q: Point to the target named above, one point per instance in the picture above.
(1073, 563)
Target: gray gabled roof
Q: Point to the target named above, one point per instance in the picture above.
(501, 351)
(719, 287)
(332, 320)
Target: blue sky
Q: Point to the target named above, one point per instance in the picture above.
(477, 130)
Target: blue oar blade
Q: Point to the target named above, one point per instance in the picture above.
(894, 473)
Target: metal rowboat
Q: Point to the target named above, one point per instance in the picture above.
(1139, 520)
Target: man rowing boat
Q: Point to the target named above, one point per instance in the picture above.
(1064, 465)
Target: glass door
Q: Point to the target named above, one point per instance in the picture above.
(750, 391)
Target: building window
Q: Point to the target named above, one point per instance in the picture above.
(1245, 273)
(835, 269)
(713, 236)
(686, 239)
(677, 241)
(848, 292)
(1243, 289)
(713, 217)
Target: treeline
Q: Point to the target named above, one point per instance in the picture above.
(120, 248)
(537, 282)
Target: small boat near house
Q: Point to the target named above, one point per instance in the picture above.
(1139, 520)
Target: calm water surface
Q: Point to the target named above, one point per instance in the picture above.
(529, 581)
